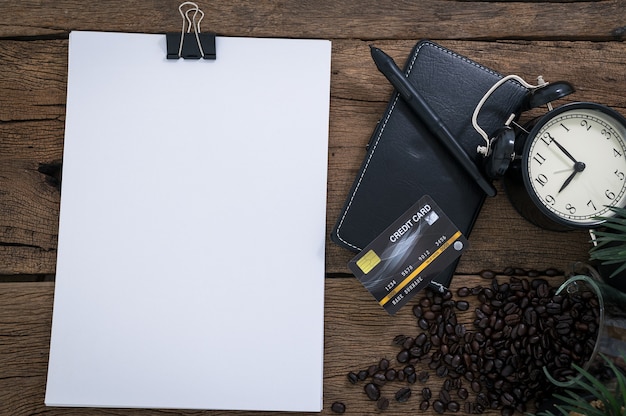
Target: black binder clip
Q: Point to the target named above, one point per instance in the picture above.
(188, 44)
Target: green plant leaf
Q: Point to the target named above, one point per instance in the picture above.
(602, 393)
(578, 403)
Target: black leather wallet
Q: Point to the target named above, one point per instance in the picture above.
(405, 161)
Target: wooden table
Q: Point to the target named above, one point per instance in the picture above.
(581, 42)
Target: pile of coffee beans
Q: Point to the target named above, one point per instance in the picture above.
(495, 362)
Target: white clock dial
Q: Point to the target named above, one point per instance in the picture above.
(575, 163)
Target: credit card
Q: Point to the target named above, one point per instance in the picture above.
(411, 252)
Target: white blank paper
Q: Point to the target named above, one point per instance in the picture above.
(190, 269)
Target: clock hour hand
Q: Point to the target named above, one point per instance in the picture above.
(564, 151)
(578, 167)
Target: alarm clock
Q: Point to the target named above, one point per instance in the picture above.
(566, 169)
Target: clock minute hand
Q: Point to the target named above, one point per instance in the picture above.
(568, 154)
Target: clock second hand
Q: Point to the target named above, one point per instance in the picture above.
(578, 167)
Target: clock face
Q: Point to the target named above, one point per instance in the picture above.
(574, 163)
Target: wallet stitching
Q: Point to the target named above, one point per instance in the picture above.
(382, 128)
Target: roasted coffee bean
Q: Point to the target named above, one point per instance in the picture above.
(507, 399)
(408, 343)
(403, 356)
(530, 316)
(462, 393)
(400, 376)
(521, 329)
(512, 319)
(563, 328)
(415, 352)
(463, 292)
(411, 378)
(423, 376)
(453, 406)
(353, 378)
(403, 394)
(383, 364)
(476, 386)
(444, 396)
(372, 391)
(507, 371)
(439, 407)
(481, 399)
(421, 339)
(553, 308)
(338, 407)
(429, 315)
(486, 309)
(399, 339)
(379, 378)
(476, 290)
(487, 274)
(424, 405)
(362, 375)
(423, 323)
(418, 311)
(462, 305)
(391, 374)
(427, 393)
(382, 403)
(508, 411)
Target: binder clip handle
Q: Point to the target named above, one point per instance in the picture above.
(190, 44)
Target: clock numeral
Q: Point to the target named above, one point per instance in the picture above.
(550, 199)
(547, 138)
(609, 194)
(606, 133)
(539, 158)
(570, 208)
(541, 179)
(620, 175)
(563, 125)
(592, 205)
(585, 124)
(616, 153)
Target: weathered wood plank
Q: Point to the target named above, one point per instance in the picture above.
(357, 334)
(371, 19)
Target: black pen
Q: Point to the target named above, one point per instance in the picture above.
(420, 107)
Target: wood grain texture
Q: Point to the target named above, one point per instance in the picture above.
(578, 41)
(358, 333)
(369, 19)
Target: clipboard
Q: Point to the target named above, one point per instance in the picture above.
(192, 226)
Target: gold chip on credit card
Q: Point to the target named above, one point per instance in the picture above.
(368, 261)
